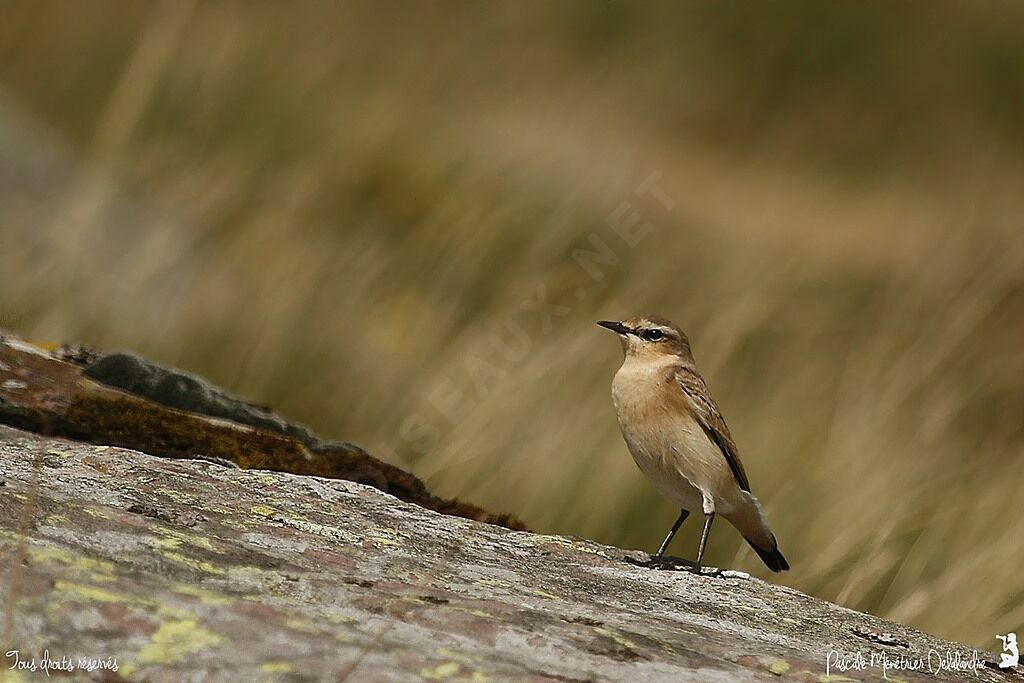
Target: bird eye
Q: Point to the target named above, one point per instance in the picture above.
(653, 335)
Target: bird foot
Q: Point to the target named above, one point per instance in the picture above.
(674, 564)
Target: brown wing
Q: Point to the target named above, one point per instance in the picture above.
(711, 420)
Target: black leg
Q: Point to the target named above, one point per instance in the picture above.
(708, 519)
(683, 514)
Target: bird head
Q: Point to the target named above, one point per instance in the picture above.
(649, 337)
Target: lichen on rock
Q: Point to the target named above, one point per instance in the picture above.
(187, 570)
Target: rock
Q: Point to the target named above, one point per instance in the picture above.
(124, 400)
(180, 570)
(77, 353)
(184, 391)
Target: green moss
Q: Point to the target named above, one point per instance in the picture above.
(142, 425)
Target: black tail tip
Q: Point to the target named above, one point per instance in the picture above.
(773, 559)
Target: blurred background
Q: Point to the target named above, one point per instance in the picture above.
(392, 222)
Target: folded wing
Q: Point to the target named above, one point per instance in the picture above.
(711, 420)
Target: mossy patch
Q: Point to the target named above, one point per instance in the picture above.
(58, 400)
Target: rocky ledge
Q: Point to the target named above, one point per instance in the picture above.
(177, 570)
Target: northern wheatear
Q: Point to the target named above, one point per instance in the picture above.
(678, 437)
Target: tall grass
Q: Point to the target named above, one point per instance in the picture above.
(348, 212)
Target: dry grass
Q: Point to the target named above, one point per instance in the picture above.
(341, 210)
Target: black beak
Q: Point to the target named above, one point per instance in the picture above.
(614, 326)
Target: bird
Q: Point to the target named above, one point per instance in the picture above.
(678, 437)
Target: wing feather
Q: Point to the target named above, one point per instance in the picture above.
(711, 420)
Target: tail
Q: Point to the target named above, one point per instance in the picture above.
(750, 521)
(773, 559)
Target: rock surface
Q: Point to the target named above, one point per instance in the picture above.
(183, 570)
(123, 400)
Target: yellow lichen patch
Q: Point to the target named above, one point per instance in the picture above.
(282, 599)
(90, 593)
(304, 625)
(199, 565)
(56, 519)
(276, 667)
(84, 592)
(206, 597)
(618, 638)
(173, 538)
(176, 639)
(245, 573)
(544, 594)
(101, 578)
(169, 612)
(415, 599)
(440, 672)
(380, 540)
(338, 618)
(475, 612)
(42, 555)
(97, 570)
(312, 527)
(240, 523)
(543, 539)
(263, 511)
(778, 667)
(294, 517)
(347, 638)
